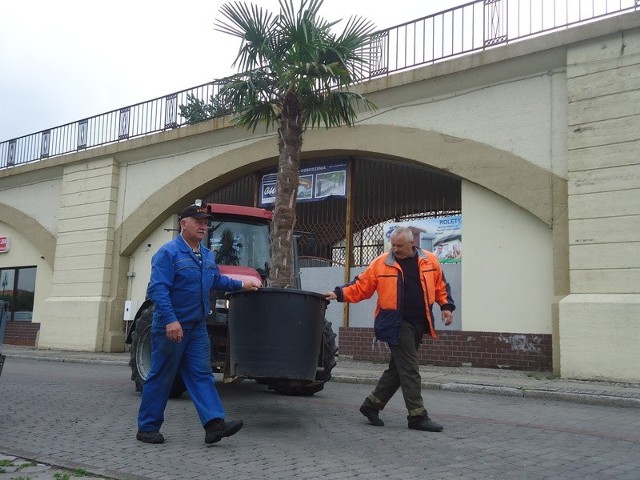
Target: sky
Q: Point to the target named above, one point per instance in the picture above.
(65, 60)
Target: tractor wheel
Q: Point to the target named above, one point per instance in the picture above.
(140, 361)
(327, 360)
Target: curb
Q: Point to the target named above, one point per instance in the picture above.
(582, 397)
(97, 361)
(585, 398)
(588, 398)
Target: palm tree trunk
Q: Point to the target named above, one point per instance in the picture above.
(284, 219)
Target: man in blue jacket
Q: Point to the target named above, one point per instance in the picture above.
(182, 274)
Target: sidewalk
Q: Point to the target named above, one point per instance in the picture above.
(454, 379)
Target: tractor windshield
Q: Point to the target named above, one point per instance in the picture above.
(244, 244)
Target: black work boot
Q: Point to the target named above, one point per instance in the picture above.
(217, 429)
(150, 437)
(372, 416)
(424, 423)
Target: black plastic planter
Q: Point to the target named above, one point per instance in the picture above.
(275, 333)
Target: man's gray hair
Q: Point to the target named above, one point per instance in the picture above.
(403, 232)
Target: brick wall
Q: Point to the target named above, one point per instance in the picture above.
(21, 333)
(518, 351)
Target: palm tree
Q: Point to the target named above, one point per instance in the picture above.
(294, 72)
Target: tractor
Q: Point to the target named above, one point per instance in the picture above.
(239, 238)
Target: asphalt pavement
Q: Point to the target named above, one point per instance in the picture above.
(454, 379)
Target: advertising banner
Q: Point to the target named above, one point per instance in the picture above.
(4, 244)
(442, 236)
(317, 181)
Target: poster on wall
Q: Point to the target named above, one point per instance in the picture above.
(4, 244)
(442, 236)
(317, 181)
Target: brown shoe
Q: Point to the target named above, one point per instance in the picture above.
(217, 429)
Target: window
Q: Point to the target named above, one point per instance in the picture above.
(17, 287)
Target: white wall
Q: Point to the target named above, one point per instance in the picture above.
(324, 279)
(22, 253)
(506, 283)
(507, 268)
(39, 200)
(140, 261)
(523, 116)
(599, 327)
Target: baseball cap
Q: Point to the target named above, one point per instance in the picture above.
(196, 211)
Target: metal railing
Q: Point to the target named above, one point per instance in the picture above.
(143, 118)
(461, 30)
(479, 25)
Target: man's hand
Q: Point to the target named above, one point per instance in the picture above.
(330, 295)
(447, 317)
(250, 285)
(174, 331)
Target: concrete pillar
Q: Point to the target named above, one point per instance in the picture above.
(599, 324)
(76, 313)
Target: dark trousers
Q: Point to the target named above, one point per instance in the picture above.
(403, 372)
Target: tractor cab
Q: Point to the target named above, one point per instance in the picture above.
(239, 239)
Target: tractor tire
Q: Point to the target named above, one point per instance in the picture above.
(327, 359)
(140, 361)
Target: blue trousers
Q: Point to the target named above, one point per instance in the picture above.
(191, 358)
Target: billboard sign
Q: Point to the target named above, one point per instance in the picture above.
(441, 235)
(317, 181)
(4, 244)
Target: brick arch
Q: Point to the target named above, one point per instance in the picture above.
(525, 184)
(518, 180)
(197, 182)
(39, 236)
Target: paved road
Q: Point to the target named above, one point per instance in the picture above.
(83, 416)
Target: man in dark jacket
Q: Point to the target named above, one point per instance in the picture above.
(408, 280)
(182, 273)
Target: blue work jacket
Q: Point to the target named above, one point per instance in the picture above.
(180, 284)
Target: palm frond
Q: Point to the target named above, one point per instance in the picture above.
(353, 47)
(254, 26)
(295, 53)
(333, 109)
(294, 71)
(255, 97)
(259, 112)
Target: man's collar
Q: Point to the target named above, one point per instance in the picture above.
(186, 244)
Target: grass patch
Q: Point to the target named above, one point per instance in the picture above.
(78, 472)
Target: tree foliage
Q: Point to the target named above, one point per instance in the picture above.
(197, 110)
(294, 73)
